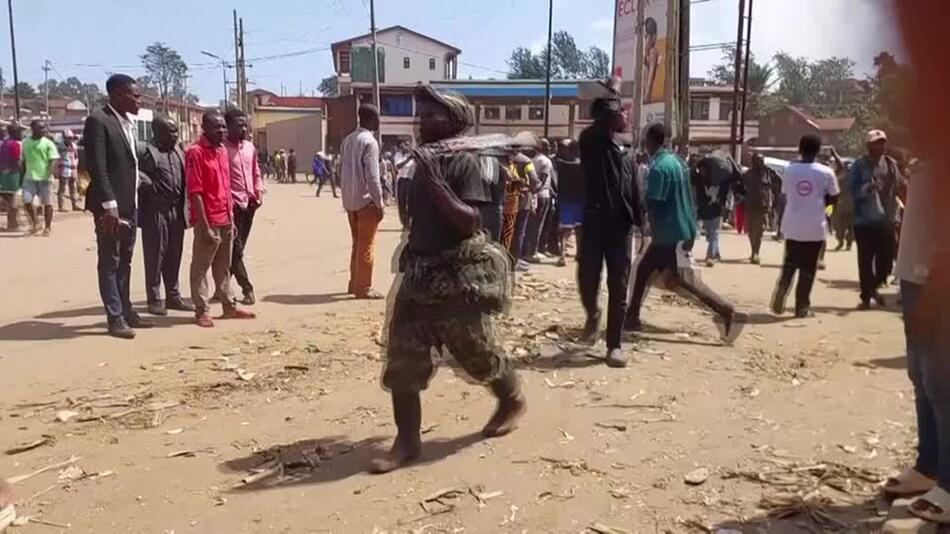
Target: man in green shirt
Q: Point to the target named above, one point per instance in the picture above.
(673, 223)
(39, 156)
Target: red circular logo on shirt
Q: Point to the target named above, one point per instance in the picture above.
(805, 188)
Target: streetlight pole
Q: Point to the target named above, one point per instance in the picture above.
(224, 76)
(16, 78)
(547, 82)
(372, 27)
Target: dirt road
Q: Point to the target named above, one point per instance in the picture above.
(168, 425)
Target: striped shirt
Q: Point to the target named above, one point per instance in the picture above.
(359, 181)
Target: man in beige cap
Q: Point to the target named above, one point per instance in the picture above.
(874, 181)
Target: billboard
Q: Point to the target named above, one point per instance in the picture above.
(647, 45)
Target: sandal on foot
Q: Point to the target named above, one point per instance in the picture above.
(909, 482)
(932, 506)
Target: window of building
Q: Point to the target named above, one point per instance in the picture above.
(725, 110)
(536, 113)
(395, 105)
(583, 111)
(405, 62)
(431, 63)
(699, 109)
(492, 113)
(512, 113)
(344, 61)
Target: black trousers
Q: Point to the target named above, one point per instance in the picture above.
(610, 241)
(114, 268)
(243, 219)
(662, 257)
(163, 233)
(800, 256)
(551, 235)
(402, 199)
(324, 179)
(876, 249)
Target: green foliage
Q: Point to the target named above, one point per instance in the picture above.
(568, 62)
(329, 86)
(166, 71)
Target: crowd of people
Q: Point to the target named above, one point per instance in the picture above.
(476, 217)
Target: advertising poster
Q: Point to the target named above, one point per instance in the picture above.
(653, 62)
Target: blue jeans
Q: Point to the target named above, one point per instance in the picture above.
(931, 378)
(711, 226)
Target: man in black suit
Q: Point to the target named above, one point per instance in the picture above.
(109, 142)
(611, 210)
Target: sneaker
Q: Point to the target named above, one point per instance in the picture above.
(591, 331)
(179, 305)
(46, 232)
(709, 262)
(157, 308)
(533, 259)
(136, 321)
(864, 305)
(754, 260)
(522, 266)
(562, 262)
(237, 313)
(804, 313)
(616, 358)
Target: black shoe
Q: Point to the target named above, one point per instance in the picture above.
(632, 324)
(591, 330)
(864, 305)
(179, 305)
(616, 358)
(157, 308)
(804, 313)
(248, 299)
(121, 330)
(136, 321)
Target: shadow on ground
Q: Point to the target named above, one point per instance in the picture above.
(306, 300)
(331, 459)
(49, 330)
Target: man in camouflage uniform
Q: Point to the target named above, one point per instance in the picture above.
(454, 279)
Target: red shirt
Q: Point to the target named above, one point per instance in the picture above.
(207, 173)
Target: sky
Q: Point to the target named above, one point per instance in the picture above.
(93, 38)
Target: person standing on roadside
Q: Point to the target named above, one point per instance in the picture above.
(873, 181)
(292, 166)
(611, 210)
(11, 158)
(570, 175)
(39, 162)
(842, 219)
(208, 183)
(362, 199)
(247, 192)
(67, 172)
(759, 182)
(110, 151)
(544, 168)
(162, 216)
(672, 232)
(809, 187)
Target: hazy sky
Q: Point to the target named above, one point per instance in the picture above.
(92, 38)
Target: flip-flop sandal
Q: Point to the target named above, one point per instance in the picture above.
(933, 506)
(909, 482)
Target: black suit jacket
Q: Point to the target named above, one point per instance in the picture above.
(111, 164)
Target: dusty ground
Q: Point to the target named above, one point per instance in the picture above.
(166, 426)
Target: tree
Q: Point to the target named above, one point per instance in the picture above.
(597, 63)
(329, 86)
(166, 70)
(567, 61)
(761, 77)
(25, 90)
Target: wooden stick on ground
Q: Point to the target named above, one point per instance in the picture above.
(21, 478)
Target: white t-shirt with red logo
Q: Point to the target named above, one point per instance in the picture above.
(805, 186)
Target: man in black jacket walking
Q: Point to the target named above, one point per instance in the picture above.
(109, 141)
(611, 210)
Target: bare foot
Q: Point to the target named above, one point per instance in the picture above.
(399, 456)
(506, 416)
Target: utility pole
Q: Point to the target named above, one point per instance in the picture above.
(16, 78)
(734, 127)
(2, 99)
(237, 61)
(547, 81)
(46, 69)
(372, 28)
(184, 103)
(745, 75)
(224, 76)
(244, 101)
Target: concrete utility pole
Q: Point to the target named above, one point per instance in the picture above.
(244, 101)
(2, 100)
(734, 128)
(16, 78)
(239, 75)
(372, 28)
(547, 81)
(46, 69)
(745, 76)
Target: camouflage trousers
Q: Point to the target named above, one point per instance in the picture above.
(467, 334)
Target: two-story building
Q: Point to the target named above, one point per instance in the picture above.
(781, 130)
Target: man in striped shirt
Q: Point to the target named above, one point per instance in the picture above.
(362, 199)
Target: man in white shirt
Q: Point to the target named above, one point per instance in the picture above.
(545, 169)
(362, 199)
(808, 187)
